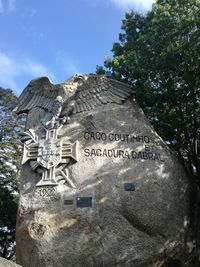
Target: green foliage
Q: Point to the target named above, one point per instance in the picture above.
(10, 150)
(100, 70)
(159, 54)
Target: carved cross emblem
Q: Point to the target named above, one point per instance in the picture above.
(49, 151)
(51, 155)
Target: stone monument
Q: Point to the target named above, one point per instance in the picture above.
(99, 187)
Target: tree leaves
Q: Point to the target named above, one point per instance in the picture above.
(10, 151)
(160, 54)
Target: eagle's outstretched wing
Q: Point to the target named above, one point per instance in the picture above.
(98, 90)
(38, 93)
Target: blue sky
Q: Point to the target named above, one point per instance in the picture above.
(57, 38)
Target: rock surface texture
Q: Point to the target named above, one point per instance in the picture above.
(7, 263)
(108, 192)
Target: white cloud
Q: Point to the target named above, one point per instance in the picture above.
(12, 69)
(137, 5)
(126, 5)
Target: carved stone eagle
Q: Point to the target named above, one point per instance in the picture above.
(78, 94)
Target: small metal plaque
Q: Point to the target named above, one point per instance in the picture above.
(84, 202)
(68, 201)
(129, 186)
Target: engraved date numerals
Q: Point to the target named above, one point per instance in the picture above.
(46, 192)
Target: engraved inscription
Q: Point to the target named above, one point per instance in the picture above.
(129, 186)
(101, 136)
(148, 153)
(46, 191)
(122, 154)
(68, 202)
(84, 202)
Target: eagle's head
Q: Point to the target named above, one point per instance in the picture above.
(77, 79)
